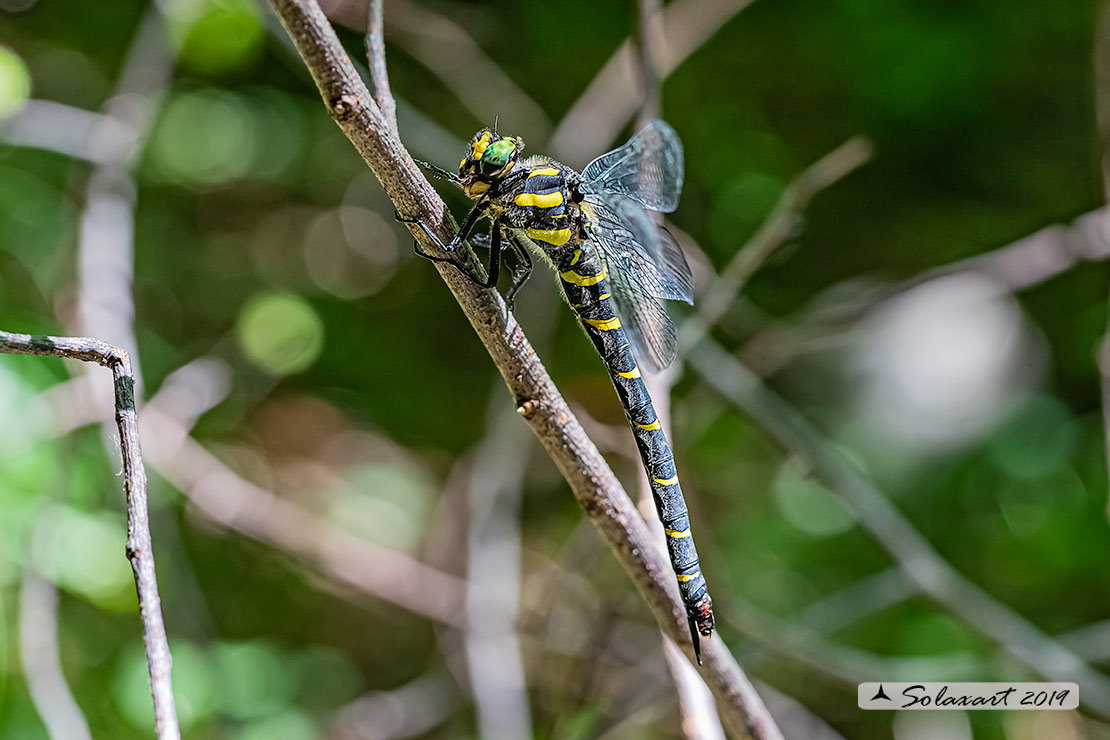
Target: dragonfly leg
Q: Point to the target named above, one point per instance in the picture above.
(467, 227)
(521, 271)
(464, 233)
(494, 266)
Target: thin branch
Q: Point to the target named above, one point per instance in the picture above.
(797, 719)
(139, 549)
(1019, 265)
(379, 74)
(612, 98)
(42, 667)
(414, 709)
(1092, 640)
(537, 400)
(843, 663)
(773, 233)
(648, 42)
(107, 231)
(73, 132)
(236, 503)
(452, 54)
(933, 575)
(699, 718)
(1102, 107)
(493, 569)
(857, 601)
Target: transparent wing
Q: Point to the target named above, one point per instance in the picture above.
(636, 245)
(647, 169)
(644, 265)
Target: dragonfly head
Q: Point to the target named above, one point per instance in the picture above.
(488, 159)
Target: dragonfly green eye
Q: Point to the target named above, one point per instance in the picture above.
(497, 155)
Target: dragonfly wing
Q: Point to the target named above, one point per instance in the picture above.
(643, 268)
(635, 244)
(649, 329)
(648, 169)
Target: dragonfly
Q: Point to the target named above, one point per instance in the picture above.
(616, 265)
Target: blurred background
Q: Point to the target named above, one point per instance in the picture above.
(892, 440)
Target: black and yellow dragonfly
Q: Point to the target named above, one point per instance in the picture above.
(615, 265)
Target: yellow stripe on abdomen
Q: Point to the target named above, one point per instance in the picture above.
(684, 578)
(574, 278)
(652, 427)
(677, 534)
(666, 481)
(634, 373)
(604, 324)
(554, 237)
(543, 200)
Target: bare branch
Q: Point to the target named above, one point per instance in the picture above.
(453, 55)
(379, 74)
(612, 98)
(931, 574)
(60, 128)
(411, 710)
(42, 667)
(537, 399)
(493, 650)
(1020, 265)
(772, 234)
(140, 551)
(236, 503)
(1102, 108)
(695, 703)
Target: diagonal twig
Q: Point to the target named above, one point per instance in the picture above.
(42, 666)
(537, 400)
(611, 100)
(139, 549)
(695, 702)
(772, 234)
(375, 56)
(234, 502)
(923, 565)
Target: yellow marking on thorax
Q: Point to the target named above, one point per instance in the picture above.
(654, 426)
(633, 373)
(554, 237)
(577, 256)
(544, 171)
(603, 296)
(572, 277)
(604, 324)
(684, 578)
(476, 189)
(546, 200)
(666, 481)
(676, 534)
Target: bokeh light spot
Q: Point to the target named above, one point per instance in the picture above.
(218, 36)
(203, 138)
(254, 679)
(808, 505)
(83, 552)
(1037, 441)
(15, 83)
(194, 687)
(281, 333)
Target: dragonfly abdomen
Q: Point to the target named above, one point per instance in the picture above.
(585, 285)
